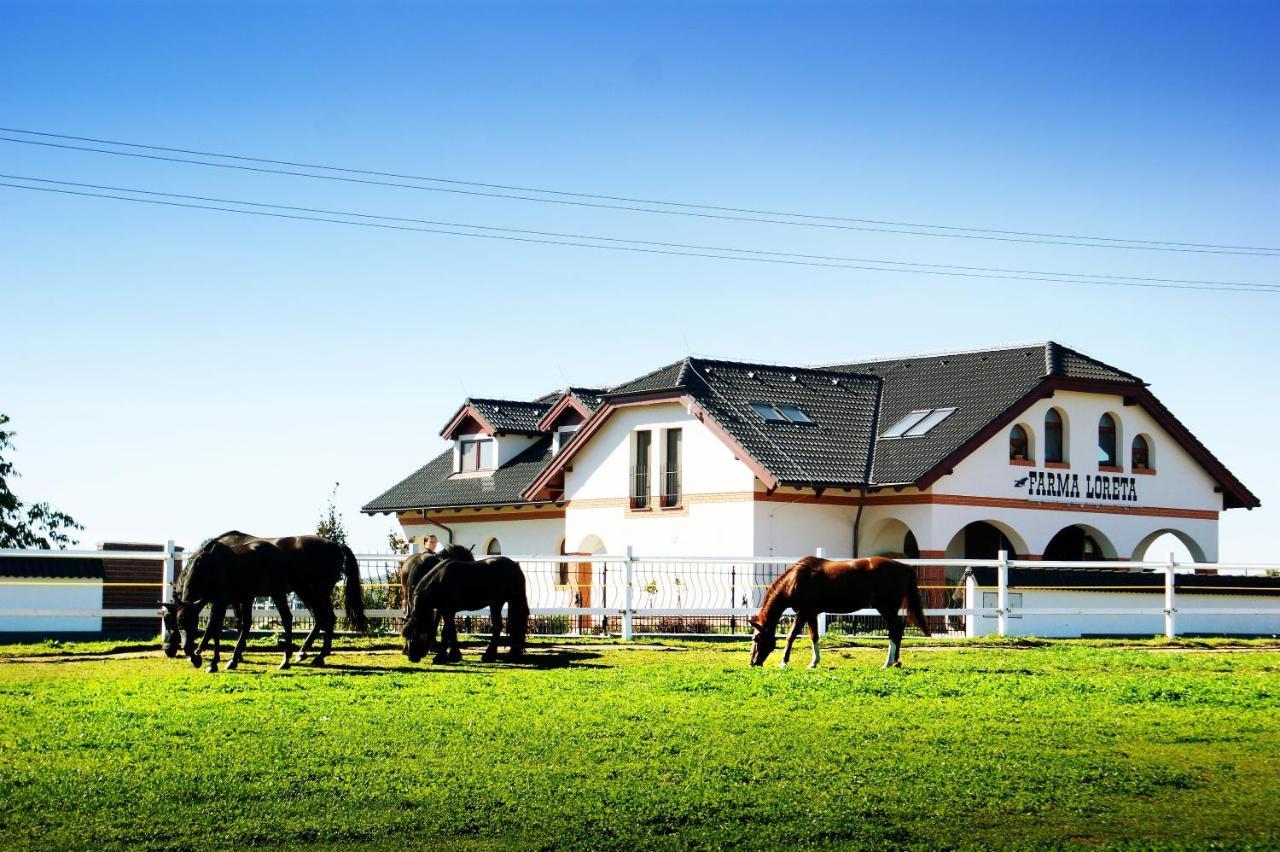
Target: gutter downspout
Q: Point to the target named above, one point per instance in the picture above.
(436, 523)
(866, 474)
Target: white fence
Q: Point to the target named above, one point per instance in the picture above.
(628, 595)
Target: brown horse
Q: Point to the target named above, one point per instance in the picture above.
(813, 585)
(315, 566)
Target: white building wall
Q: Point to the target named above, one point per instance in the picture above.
(1074, 626)
(56, 594)
(715, 516)
(1179, 482)
(518, 537)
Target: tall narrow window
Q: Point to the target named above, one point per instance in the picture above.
(475, 455)
(1018, 444)
(640, 470)
(1053, 437)
(1107, 441)
(671, 469)
(1141, 454)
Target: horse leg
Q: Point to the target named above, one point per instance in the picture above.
(812, 621)
(791, 638)
(442, 652)
(495, 618)
(330, 621)
(309, 602)
(216, 615)
(244, 615)
(452, 647)
(897, 626)
(281, 599)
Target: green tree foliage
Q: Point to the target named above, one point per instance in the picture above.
(397, 542)
(330, 525)
(37, 525)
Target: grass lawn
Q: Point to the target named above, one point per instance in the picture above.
(660, 747)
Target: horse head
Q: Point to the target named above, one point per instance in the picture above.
(173, 634)
(456, 552)
(762, 643)
(416, 646)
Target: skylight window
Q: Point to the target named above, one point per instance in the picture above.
(918, 422)
(782, 413)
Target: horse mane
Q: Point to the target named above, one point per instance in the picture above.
(456, 551)
(778, 595)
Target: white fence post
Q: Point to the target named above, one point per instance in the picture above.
(1002, 594)
(166, 590)
(629, 579)
(822, 616)
(970, 602)
(1170, 608)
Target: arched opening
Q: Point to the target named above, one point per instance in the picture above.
(1108, 441)
(1055, 437)
(1142, 457)
(1021, 447)
(582, 582)
(1079, 543)
(493, 547)
(984, 540)
(1158, 545)
(892, 537)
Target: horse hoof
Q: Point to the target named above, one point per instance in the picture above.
(196, 661)
(213, 668)
(813, 665)
(439, 659)
(782, 665)
(317, 661)
(489, 658)
(285, 665)
(233, 665)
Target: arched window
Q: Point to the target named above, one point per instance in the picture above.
(1107, 441)
(1141, 454)
(1053, 445)
(493, 548)
(1018, 444)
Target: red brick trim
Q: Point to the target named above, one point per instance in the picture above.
(1144, 471)
(1110, 468)
(1023, 462)
(1058, 465)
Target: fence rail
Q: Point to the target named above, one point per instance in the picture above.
(629, 595)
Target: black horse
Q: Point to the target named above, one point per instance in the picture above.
(315, 566)
(221, 575)
(457, 583)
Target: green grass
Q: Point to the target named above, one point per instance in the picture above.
(673, 747)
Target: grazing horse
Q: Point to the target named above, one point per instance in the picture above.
(457, 584)
(222, 575)
(813, 585)
(315, 565)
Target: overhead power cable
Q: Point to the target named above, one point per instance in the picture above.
(813, 221)
(1238, 288)
(1083, 277)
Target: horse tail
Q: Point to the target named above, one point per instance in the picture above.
(352, 596)
(518, 612)
(914, 604)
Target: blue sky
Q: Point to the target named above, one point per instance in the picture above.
(174, 373)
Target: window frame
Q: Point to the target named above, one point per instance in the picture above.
(640, 489)
(671, 485)
(1112, 458)
(464, 450)
(1058, 428)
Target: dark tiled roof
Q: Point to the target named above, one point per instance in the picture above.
(58, 567)
(669, 377)
(980, 385)
(1106, 580)
(592, 398)
(511, 415)
(833, 450)
(434, 485)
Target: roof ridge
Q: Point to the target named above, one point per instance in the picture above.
(504, 401)
(718, 362)
(1061, 348)
(942, 353)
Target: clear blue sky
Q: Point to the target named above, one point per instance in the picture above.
(174, 373)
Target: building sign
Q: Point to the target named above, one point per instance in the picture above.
(1063, 485)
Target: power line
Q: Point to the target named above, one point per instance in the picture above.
(639, 249)
(979, 234)
(1083, 277)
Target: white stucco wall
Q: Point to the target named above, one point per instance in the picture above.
(715, 516)
(517, 537)
(57, 594)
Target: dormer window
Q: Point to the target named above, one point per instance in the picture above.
(562, 436)
(475, 454)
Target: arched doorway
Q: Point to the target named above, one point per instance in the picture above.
(1079, 543)
(892, 537)
(582, 582)
(985, 540)
(1156, 547)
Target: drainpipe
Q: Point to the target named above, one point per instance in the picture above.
(436, 523)
(857, 521)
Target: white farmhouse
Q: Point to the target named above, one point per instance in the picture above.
(1039, 450)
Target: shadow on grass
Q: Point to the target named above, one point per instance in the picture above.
(536, 661)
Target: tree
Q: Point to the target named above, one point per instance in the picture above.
(37, 525)
(330, 524)
(397, 542)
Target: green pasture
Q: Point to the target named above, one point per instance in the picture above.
(667, 747)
